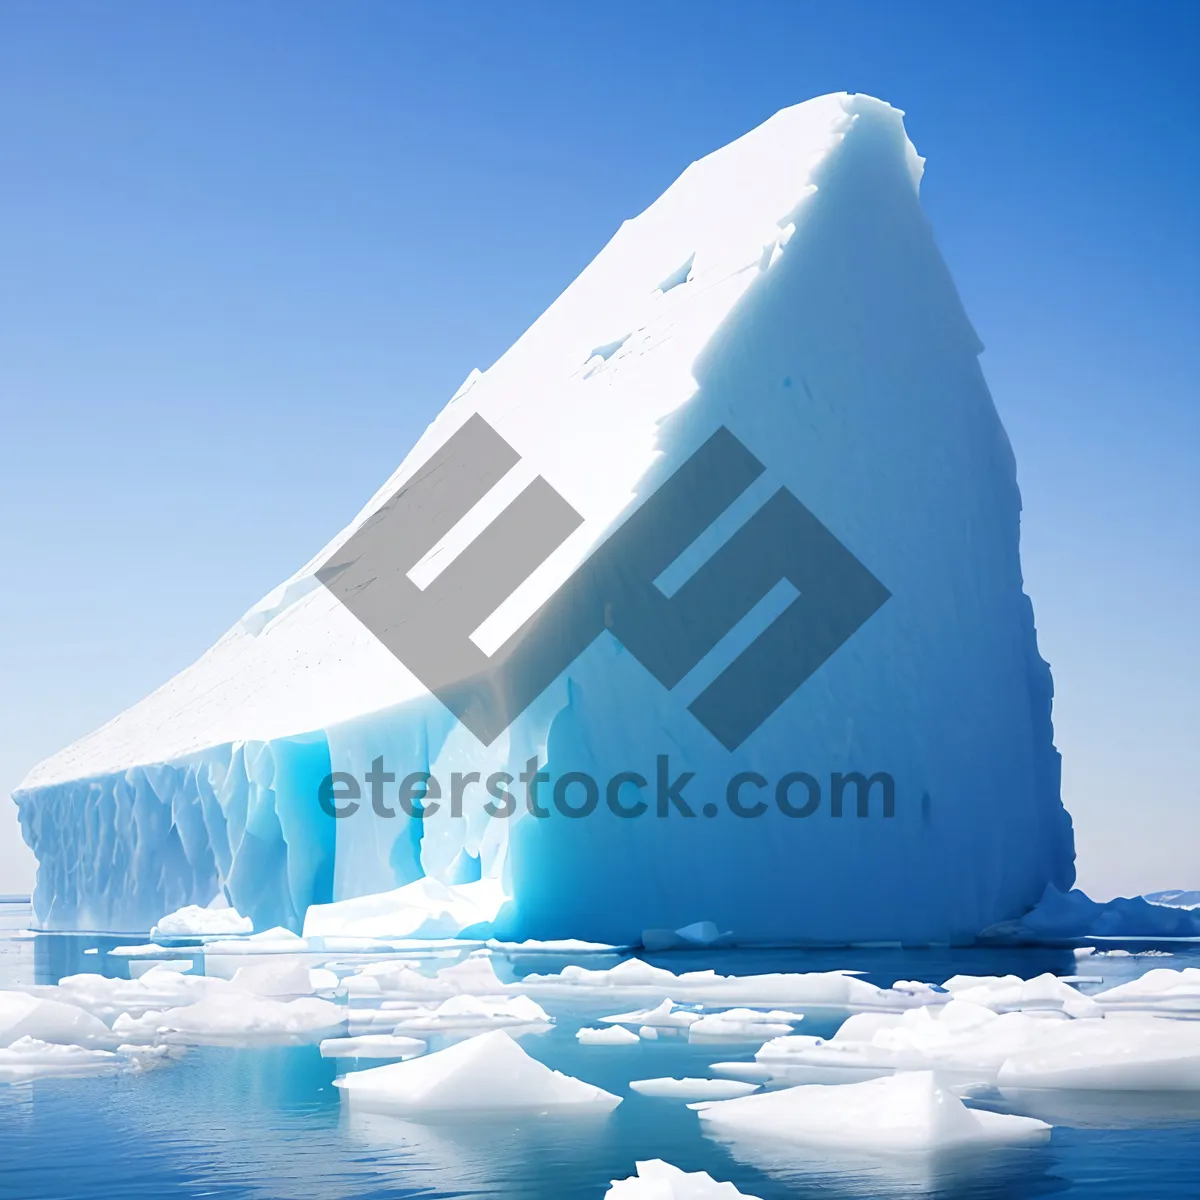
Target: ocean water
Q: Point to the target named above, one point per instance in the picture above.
(268, 1122)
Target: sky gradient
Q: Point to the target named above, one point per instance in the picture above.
(222, 226)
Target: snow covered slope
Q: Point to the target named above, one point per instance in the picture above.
(777, 327)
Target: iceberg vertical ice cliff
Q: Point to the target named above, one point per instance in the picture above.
(735, 519)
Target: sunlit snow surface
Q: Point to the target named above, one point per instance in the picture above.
(786, 288)
(264, 1120)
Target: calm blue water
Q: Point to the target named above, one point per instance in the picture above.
(268, 1122)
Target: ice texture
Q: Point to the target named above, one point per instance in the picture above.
(611, 1035)
(693, 1089)
(658, 1180)
(907, 1112)
(786, 288)
(194, 921)
(486, 1074)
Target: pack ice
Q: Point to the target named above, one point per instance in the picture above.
(776, 334)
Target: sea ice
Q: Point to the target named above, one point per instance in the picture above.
(47, 1020)
(667, 1015)
(658, 1180)
(485, 1074)
(742, 1024)
(423, 908)
(29, 1058)
(611, 1035)
(474, 1014)
(906, 1112)
(693, 1089)
(194, 921)
(378, 1045)
(236, 1018)
(1162, 991)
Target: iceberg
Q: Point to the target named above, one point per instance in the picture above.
(378, 1045)
(903, 1113)
(722, 554)
(488, 1074)
(28, 1058)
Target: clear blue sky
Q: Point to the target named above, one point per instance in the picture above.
(223, 225)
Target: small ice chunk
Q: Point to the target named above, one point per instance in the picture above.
(475, 1013)
(748, 1072)
(667, 1015)
(743, 1024)
(612, 1035)
(905, 1112)
(425, 908)
(372, 1045)
(47, 1020)
(194, 921)
(144, 950)
(648, 1033)
(30, 1058)
(490, 1073)
(239, 1018)
(694, 1089)
(658, 1180)
(284, 977)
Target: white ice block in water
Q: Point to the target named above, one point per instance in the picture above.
(424, 908)
(1130, 1054)
(28, 1058)
(667, 1015)
(905, 1112)
(611, 1035)
(372, 1045)
(237, 1018)
(474, 1014)
(1162, 991)
(742, 1024)
(658, 1180)
(194, 921)
(780, 313)
(485, 1074)
(47, 1020)
(693, 1089)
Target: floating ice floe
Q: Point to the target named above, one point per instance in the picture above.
(401, 980)
(377, 1045)
(901, 1113)
(475, 1014)
(970, 1046)
(658, 1180)
(1161, 991)
(823, 989)
(611, 1035)
(485, 1074)
(667, 1015)
(48, 1020)
(425, 907)
(1121, 1054)
(559, 946)
(145, 950)
(30, 1058)
(694, 1089)
(235, 1018)
(194, 921)
(742, 1024)
(1011, 993)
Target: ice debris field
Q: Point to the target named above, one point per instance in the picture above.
(445, 1032)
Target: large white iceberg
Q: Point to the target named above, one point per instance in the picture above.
(736, 518)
